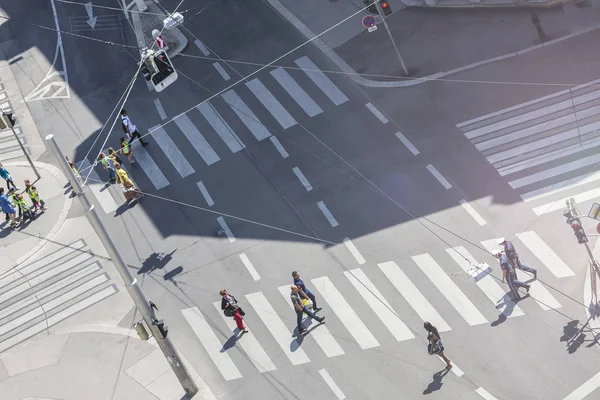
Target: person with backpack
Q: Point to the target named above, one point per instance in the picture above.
(230, 308)
(130, 129)
(435, 345)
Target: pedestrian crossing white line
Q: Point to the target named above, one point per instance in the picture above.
(202, 47)
(412, 295)
(233, 142)
(101, 192)
(327, 214)
(152, 171)
(332, 385)
(345, 313)
(545, 254)
(407, 143)
(302, 179)
(250, 345)
(377, 113)
(440, 178)
(205, 194)
(488, 285)
(472, 212)
(279, 147)
(296, 92)
(244, 113)
(271, 103)
(485, 394)
(321, 80)
(172, 152)
(560, 204)
(379, 304)
(56, 318)
(354, 251)
(246, 261)
(221, 71)
(225, 228)
(561, 186)
(449, 289)
(583, 391)
(320, 333)
(160, 109)
(282, 335)
(211, 343)
(196, 139)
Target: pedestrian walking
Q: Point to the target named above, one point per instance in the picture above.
(131, 191)
(106, 164)
(8, 178)
(8, 208)
(301, 308)
(24, 208)
(435, 345)
(114, 154)
(126, 150)
(230, 308)
(12, 196)
(73, 167)
(513, 257)
(34, 196)
(508, 275)
(130, 129)
(304, 292)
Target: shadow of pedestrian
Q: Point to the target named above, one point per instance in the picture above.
(509, 307)
(156, 261)
(437, 383)
(229, 343)
(573, 336)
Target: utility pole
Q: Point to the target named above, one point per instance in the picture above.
(142, 303)
(391, 38)
(7, 121)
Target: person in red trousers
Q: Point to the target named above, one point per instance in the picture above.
(228, 302)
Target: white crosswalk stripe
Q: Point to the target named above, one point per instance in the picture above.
(296, 92)
(545, 254)
(321, 80)
(271, 103)
(545, 147)
(196, 139)
(167, 145)
(222, 128)
(149, 166)
(249, 119)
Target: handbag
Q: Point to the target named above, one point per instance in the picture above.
(307, 303)
(228, 312)
(435, 348)
(242, 313)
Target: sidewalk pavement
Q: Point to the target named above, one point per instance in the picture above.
(66, 316)
(432, 41)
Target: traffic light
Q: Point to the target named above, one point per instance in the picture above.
(578, 230)
(6, 120)
(158, 69)
(372, 7)
(385, 6)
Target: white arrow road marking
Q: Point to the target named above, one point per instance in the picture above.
(90, 12)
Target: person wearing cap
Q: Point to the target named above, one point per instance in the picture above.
(513, 257)
(508, 274)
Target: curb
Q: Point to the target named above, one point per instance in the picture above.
(357, 78)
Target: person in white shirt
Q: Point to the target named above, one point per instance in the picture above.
(131, 129)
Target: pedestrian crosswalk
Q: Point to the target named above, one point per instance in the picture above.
(546, 147)
(42, 293)
(375, 291)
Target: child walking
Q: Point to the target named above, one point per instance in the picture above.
(107, 166)
(24, 208)
(73, 167)
(34, 196)
(8, 178)
(126, 149)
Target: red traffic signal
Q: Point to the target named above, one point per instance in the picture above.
(385, 6)
(578, 230)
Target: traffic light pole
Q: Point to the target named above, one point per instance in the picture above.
(392, 38)
(140, 300)
(9, 124)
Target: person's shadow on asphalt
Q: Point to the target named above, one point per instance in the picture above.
(437, 383)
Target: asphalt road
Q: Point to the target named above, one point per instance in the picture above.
(394, 205)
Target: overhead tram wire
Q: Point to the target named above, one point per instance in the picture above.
(106, 7)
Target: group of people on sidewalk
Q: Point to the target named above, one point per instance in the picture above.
(12, 200)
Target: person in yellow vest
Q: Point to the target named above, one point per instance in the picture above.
(126, 149)
(24, 207)
(73, 167)
(34, 196)
(105, 161)
(12, 196)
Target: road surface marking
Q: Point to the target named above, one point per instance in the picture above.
(487, 284)
(485, 394)
(275, 325)
(225, 227)
(249, 267)
(244, 113)
(321, 80)
(174, 155)
(205, 194)
(436, 174)
(449, 289)
(202, 47)
(455, 370)
(472, 212)
(152, 171)
(100, 190)
(320, 333)
(196, 139)
(412, 295)
(345, 313)
(271, 103)
(377, 113)
(561, 186)
(355, 253)
(296, 92)
(586, 389)
(407, 143)
(560, 204)
(160, 109)
(250, 345)
(545, 254)
(538, 292)
(302, 179)
(332, 385)
(211, 343)
(327, 214)
(379, 304)
(221, 127)
(279, 147)
(221, 71)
